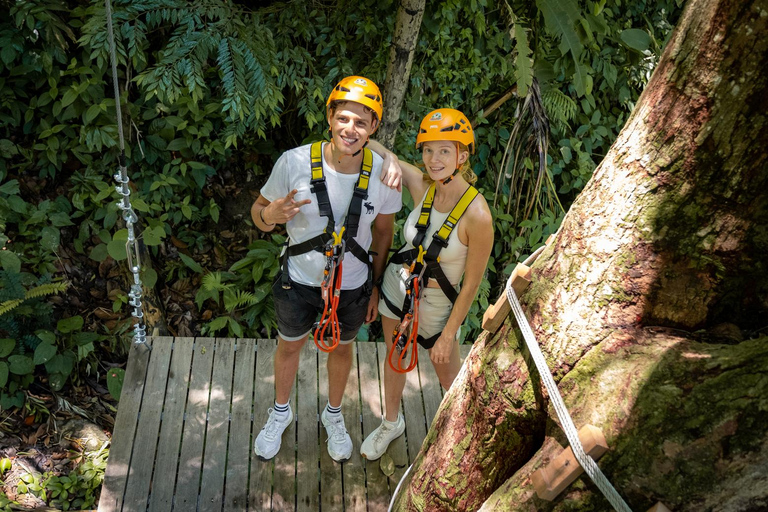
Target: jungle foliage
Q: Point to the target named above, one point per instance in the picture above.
(212, 92)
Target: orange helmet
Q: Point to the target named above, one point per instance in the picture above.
(446, 124)
(360, 90)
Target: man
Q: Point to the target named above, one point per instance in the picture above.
(319, 191)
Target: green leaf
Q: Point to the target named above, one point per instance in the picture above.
(10, 261)
(50, 238)
(46, 336)
(636, 39)
(71, 324)
(560, 18)
(92, 113)
(6, 346)
(191, 263)
(154, 236)
(69, 97)
(100, 252)
(177, 144)
(3, 376)
(115, 378)
(20, 365)
(116, 249)
(44, 352)
(12, 187)
(57, 380)
(217, 324)
(523, 62)
(149, 277)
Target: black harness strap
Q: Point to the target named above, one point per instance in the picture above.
(351, 223)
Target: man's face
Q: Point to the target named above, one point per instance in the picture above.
(351, 125)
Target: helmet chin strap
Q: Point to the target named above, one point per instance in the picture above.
(449, 178)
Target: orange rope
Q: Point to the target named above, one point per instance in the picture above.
(331, 291)
(412, 319)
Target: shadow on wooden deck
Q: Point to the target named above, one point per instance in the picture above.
(191, 407)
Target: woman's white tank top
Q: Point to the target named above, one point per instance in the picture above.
(454, 256)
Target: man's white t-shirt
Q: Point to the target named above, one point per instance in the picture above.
(292, 171)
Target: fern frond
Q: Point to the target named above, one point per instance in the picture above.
(559, 106)
(212, 281)
(239, 299)
(9, 305)
(46, 289)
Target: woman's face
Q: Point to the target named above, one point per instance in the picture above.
(441, 158)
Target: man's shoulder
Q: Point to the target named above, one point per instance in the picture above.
(298, 152)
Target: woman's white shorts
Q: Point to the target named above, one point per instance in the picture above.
(434, 309)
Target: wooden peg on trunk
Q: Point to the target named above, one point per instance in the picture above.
(552, 479)
(495, 315)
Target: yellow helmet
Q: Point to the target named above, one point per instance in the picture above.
(446, 124)
(360, 90)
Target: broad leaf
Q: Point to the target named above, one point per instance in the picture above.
(115, 378)
(191, 263)
(636, 39)
(44, 352)
(21, 365)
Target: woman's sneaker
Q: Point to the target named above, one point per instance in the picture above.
(377, 441)
(268, 441)
(339, 442)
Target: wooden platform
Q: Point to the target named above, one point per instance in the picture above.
(191, 407)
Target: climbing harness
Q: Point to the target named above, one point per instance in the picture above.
(129, 216)
(424, 265)
(333, 245)
(586, 462)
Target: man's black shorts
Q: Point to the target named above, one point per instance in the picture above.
(299, 307)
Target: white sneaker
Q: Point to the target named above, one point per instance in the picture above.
(268, 441)
(378, 441)
(339, 442)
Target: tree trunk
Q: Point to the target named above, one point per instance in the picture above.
(640, 307)
(409, 15)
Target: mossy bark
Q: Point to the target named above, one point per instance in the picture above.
(666, 243)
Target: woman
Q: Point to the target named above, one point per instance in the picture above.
(446, 139)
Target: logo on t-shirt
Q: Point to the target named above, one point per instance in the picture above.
(368, 207)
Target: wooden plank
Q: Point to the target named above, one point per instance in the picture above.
(116, 474)
(372, 411)
(217, 431)
(169, 440)
(240, 447)
(397, 448)
(352, 470)
(307, 463)
(193, 438)
(552, 479)
(331, 494)
(260, 487)
(284, 476)
(431, 390)
(415, 423)
(495, 315)
(137, 488)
